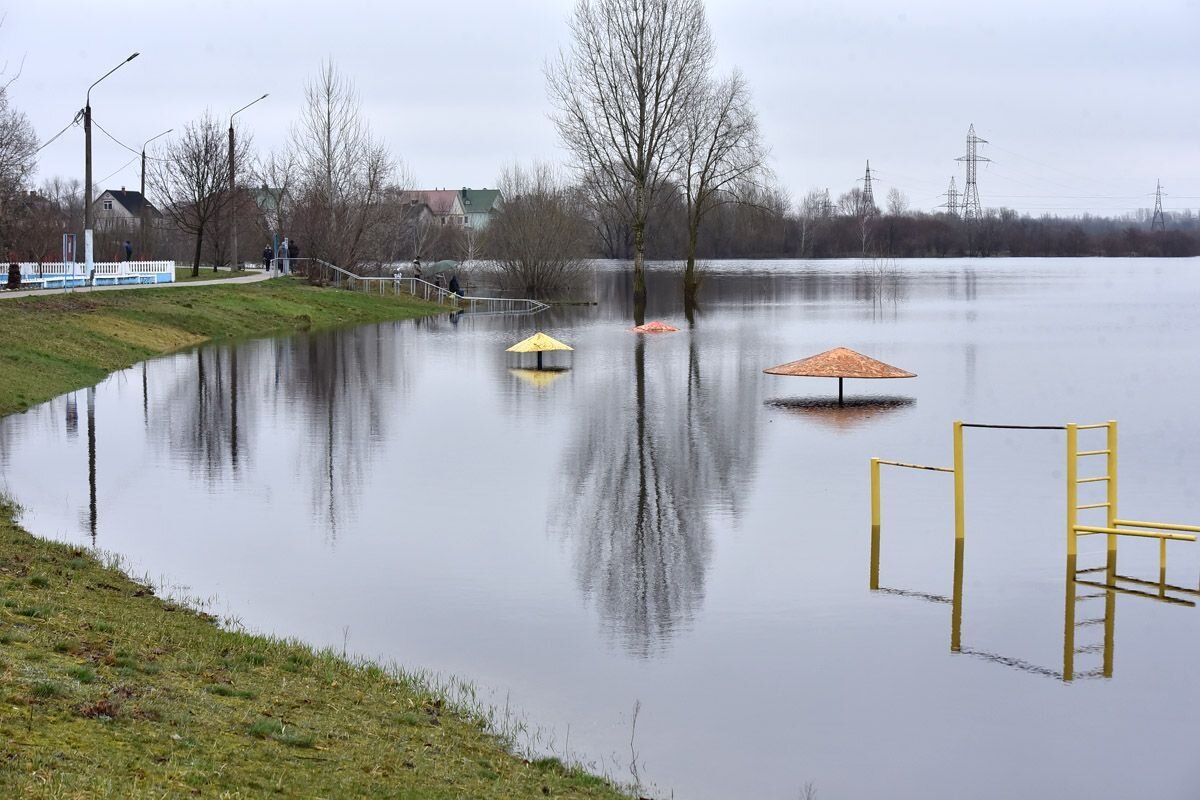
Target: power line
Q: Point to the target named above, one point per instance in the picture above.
(52, 139)
(122, 168)
(137, 153)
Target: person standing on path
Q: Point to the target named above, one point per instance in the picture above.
(293, 251)
(268, 255)
(128, 250)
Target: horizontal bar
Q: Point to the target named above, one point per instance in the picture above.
(1136, 593)
(1094, 480)
(1017, 427)
(1087, 530)
(1090, 569)
(1092, 426)
(1083, 623)
(1172, 587)
(915, 466)
(1166, 526)
(1093, 453)
(1091, 505)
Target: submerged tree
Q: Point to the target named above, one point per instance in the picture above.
(538, 238)
(721, 151)
(622, 94)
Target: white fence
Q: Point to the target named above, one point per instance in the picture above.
(50, 274)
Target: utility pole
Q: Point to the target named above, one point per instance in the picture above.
(951, 195)
(87, 143)
(142, 226)
(971, 209)
(233, 242)
(1158, 222)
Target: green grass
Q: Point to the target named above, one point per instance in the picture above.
(109, 691)
(56, 343)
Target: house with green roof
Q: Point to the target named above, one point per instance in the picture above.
(479, 205)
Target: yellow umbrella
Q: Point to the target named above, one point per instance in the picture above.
(538, 343)
(541, 378)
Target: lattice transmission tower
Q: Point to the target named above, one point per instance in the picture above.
(971, 209)
(951, 195)
(868, 196)
(1158, 222)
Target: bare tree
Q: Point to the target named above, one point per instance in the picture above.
(18, 159)
(721, 150)
(345, 175)
(897, 202)
(538, 238)
(190, 178)
(622, 93)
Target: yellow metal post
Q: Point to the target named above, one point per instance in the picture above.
(1111, 562)
(1110, 624)
(875, 522)
(1072, 488)
(960, 512)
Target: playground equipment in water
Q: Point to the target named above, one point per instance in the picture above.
(1114, 528)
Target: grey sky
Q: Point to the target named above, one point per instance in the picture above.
(1086, 104)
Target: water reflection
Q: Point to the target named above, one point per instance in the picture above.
(844, 415)
(652, 459)
(1081, 614)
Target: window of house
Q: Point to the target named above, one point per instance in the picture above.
(108, 205)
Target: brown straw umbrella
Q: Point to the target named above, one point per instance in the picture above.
(840, 363)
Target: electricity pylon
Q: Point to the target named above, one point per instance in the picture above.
(971, 209)
(1158, 222)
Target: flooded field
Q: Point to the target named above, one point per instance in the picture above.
(661, 556)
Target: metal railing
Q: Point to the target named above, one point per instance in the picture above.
(415, 287)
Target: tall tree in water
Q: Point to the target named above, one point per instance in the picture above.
(720, 152)
(622, 94)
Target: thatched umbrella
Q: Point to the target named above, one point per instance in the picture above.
(840, 363)
(655, 327)
(538, 343)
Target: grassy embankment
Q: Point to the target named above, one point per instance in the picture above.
(109, 691)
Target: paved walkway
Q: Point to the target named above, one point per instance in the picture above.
(252, 277)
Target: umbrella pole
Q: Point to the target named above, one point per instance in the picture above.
(839, 391)
(539, 359)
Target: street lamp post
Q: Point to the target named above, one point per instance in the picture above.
(142, 226)
(87, 164)
(233, 242)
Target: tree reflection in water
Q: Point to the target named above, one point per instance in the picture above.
(653, 459)
(331, 388)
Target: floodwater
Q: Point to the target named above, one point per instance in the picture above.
(661, 556)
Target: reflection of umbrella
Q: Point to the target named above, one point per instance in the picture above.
(655, 327)
(839, 363)
(541, 378)
(538, 343)
(841, 415)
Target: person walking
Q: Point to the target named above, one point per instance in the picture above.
(417, 268)
(268, 256)
(128, 250)
(454, 287)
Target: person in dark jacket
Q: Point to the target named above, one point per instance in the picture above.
(268, 255)
(293, 249)
(454, 287)
(128, 250)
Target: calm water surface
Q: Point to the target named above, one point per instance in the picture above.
(664, 527)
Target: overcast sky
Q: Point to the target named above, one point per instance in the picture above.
(1085, 103)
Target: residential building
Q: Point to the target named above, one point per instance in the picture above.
(121, 208)
(479, 205)
(444, 204)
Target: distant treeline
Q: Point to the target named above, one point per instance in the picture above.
(768, 225)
